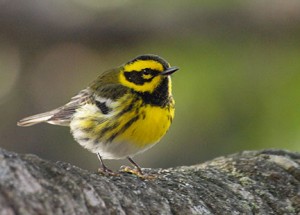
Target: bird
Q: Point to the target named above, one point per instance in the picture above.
(123, 112)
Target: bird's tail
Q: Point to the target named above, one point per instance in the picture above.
(35, 119)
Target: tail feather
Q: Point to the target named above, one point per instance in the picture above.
(59, 116)
(35, 119)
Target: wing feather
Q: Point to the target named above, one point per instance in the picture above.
(104, 87)
(59, 116)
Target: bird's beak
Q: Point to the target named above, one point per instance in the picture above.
(169, 71)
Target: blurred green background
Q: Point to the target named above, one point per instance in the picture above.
(238, 87)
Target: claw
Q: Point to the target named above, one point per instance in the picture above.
(106, 171)
(137, 172)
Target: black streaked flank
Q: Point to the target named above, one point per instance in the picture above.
(124, 128)
(109, 128)
(128, 108)
(88, 129)
(143, 114)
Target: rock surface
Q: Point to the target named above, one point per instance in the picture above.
(251, 182)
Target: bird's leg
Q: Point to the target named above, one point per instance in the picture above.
(138, 168)
(104, 168)
(137, 171)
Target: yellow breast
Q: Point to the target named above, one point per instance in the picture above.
(150, 126)
(131, 128)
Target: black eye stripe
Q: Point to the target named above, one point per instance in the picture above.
(150, 72)
(137, 76)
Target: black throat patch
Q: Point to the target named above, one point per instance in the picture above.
(159, 97)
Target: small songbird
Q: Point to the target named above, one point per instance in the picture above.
(125, 111)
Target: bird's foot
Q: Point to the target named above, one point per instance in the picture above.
(137, 172)
(106, 171)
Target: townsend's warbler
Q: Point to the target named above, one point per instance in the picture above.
(125, 111)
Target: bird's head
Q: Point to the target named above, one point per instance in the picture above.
(145, 73)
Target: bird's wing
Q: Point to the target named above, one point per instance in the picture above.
(101, 93)
(61, 115)
(102, 98)
(64, 114)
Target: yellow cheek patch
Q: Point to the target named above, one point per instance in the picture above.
(147, 76)
(142, 64)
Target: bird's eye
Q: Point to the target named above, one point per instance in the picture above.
(146, 72)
